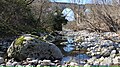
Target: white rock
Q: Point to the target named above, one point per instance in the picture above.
(91, 60)
(118, 45)
(33, 61)
(28, 38)
(2, 65)
(29, 59)
(110, 47)
(40, 61)
(92, 39)
(14, 63)
(9, 64)
(73, 64)
(53, 64)
(96, 62)
(48, 61)
(113, 52)
(107, 42)
(98, 53)
(116, 60)
(107, 61)
(101, 59)
(112, 55)
(87, 65)
(85, 44)
(93, 54)
(1, 60)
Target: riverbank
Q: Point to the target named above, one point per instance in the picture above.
(100, 49)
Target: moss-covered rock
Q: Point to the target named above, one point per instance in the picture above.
(20, 40)
(33, 47)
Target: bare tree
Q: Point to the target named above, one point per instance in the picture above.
(104, 16)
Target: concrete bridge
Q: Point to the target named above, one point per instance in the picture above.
(76, 8)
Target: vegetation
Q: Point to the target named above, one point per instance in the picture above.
(19, 41)
(99, 16)
(26, 16)
(15, 17)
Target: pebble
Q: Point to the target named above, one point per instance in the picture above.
(73, 64)
(87, 65)
(33, 61)
(9, 64)
(113, 52)
(112, 55)
(29, 59)
(95, 45)
(14, 63)
(116, 60)
(91, 60)
(40, 61)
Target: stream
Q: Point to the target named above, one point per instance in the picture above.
(72, 55)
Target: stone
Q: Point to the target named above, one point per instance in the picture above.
(113, 52)
(101, 59)
(57, 61)
(29, 59)
(91, 60)
(105, 52)
(45, 62)
(118, 45)
(73, 64)
(9, 64)
(33, 61)
(87, 65)
(39, 61)
(106, 61)
(96, 63)
(52, 64)
(106, 43)
(14, 63)
(116, 60)
(33, 47)
(91, 39)
(112, 55)
(1, 60)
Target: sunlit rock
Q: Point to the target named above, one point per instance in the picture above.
(31, 46)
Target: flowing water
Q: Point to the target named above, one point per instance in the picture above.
(70, 54)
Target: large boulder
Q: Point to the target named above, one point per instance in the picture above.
(31, 46)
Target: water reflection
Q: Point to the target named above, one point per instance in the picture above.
(69, 49)
(80, 59)
(70, 45)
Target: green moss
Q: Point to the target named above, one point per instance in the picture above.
(19, 41)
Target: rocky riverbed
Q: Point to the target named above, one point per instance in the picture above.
(81, 48)
(102, 48)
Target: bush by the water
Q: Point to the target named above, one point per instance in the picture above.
(17, 17)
